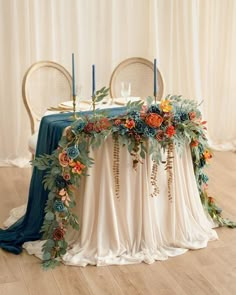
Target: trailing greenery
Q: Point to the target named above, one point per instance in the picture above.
(144, 129)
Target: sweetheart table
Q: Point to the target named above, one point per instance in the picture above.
(121, 222)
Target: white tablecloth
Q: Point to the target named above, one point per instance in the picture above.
(135, 227)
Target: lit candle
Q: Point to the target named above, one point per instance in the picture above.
(73, 75)
(155, 77)
(93, 80)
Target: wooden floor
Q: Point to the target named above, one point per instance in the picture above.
(206, 271)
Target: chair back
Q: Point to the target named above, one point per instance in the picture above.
(45, 84)
(139, 72)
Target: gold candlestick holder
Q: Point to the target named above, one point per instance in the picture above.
(74, 108)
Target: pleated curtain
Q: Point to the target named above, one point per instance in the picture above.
(193, 40)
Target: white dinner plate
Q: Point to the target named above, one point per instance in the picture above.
(83, 105)
(122, 101)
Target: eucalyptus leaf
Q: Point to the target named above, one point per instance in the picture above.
(49, 216)
(49, 243)
(46, 256)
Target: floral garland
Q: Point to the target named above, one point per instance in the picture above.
(172, 123)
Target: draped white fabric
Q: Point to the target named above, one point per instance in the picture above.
(135, 227)
(193, 41)
(195, 44)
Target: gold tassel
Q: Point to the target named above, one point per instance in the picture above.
(168, 168)
(154, 173)
(116, 168)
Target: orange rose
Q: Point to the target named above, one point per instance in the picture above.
(104, 123)
(170, 131)
(194, 143)
(192, 115)
(154, 120)
(63, 159)
(130, 124)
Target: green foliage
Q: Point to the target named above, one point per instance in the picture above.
(181, 126)
(73, 221)
(50, 264)
(155, 150)
(100, 94)
(42, 162)
(149, 100)
(135, 105)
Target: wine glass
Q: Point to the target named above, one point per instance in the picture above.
(125, 90)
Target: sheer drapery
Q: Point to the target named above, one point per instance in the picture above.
(193, 41)
(99, 32)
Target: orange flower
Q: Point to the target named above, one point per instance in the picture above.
(207, 155)
(170, 131)
(211, 200)
(154, 120)
(192, 115)
(160, 135)
(65, 198)
(77, 167)
(117, 122)
(130, 124)
(63, 159)
(104, 122)
(194, 143)
(165, 105)
(66, 176)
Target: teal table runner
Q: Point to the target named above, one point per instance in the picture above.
(28, 227)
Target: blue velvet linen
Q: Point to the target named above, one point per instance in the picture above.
(28, 227)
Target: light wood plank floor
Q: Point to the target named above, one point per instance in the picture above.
(206, 271)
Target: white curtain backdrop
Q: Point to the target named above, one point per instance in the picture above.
(194, 42)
